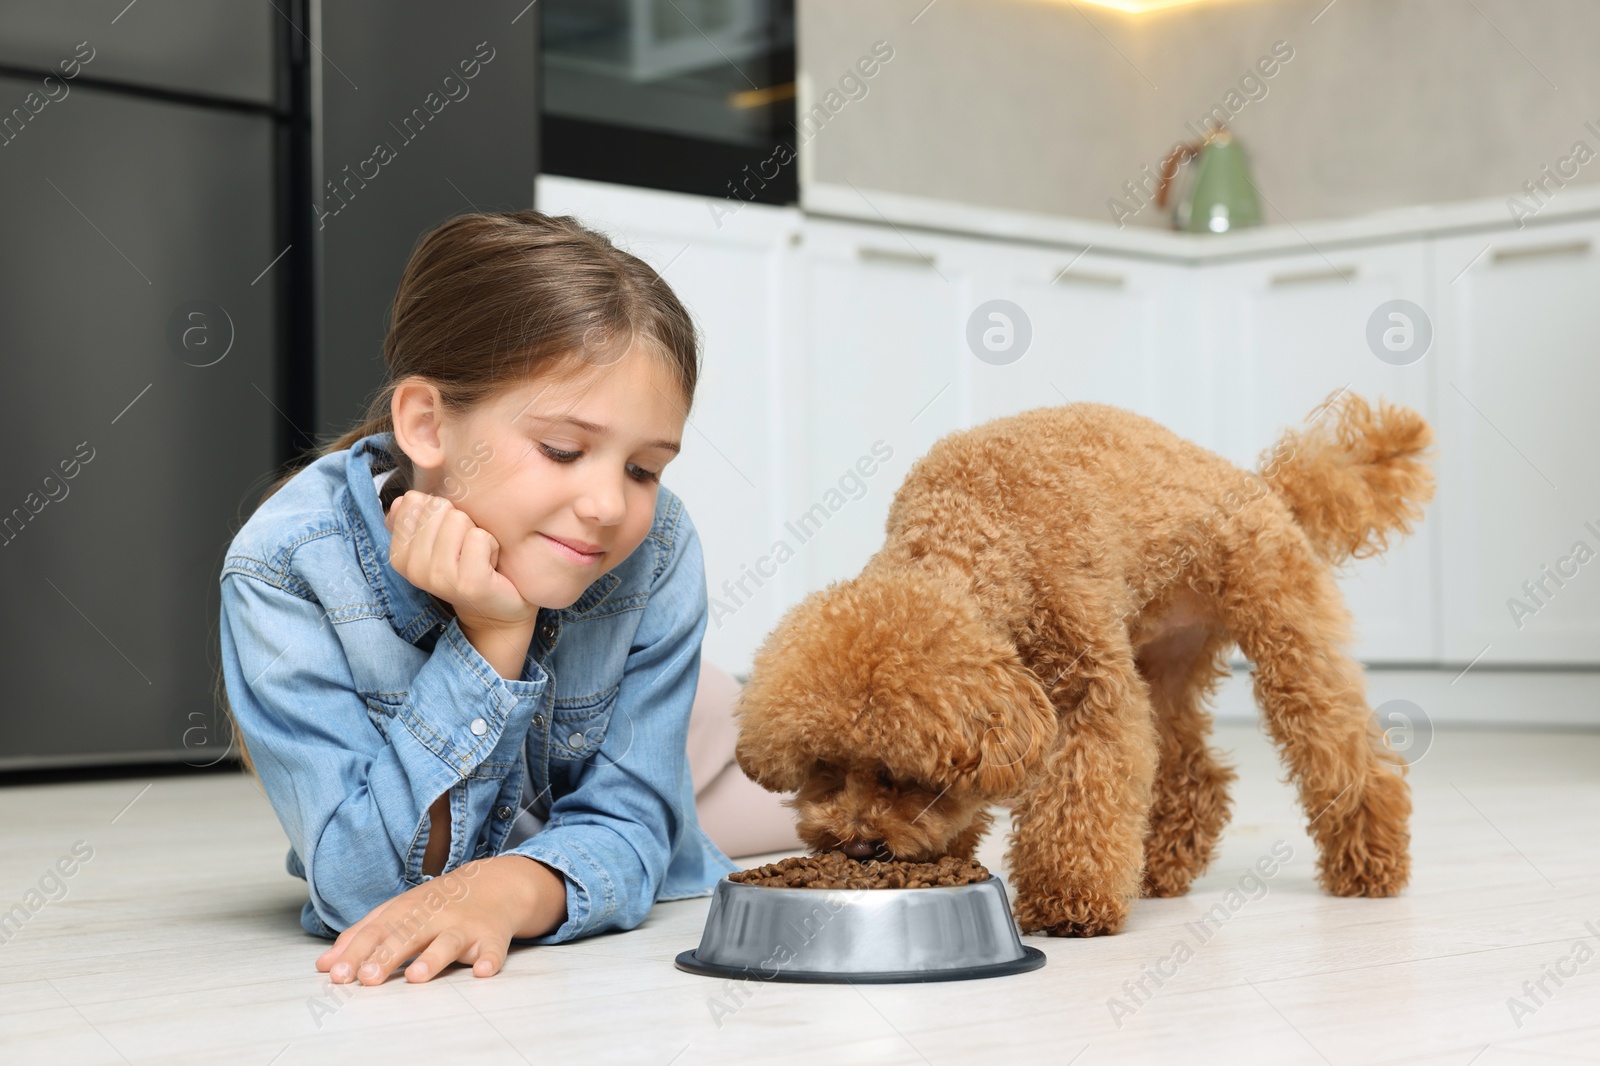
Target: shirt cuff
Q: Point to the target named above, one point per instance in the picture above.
(583, 878)
(459, 706)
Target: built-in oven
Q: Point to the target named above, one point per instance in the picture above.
(689, 95)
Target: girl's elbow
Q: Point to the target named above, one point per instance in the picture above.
(341, 901)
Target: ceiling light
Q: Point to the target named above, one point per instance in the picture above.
(1137, 7)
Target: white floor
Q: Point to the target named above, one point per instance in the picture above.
(179, 942)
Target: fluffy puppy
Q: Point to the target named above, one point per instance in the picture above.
(1052, 607)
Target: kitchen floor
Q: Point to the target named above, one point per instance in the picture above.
(178, 941)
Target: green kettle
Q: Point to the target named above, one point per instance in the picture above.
(1221, 197)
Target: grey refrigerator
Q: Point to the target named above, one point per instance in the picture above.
(183, 312)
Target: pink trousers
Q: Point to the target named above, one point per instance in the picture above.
(739, 816)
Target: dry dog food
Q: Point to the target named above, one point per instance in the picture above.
(835, 869)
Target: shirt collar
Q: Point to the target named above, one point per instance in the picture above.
(410, 610)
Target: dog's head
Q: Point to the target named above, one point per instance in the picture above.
(894, 712)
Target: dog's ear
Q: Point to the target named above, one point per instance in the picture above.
(770, 727)
(1013, 728)
(769, 765)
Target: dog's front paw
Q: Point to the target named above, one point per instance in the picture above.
(1079, 929)
(1070, 916)
(1355, 867)
(1368, 852)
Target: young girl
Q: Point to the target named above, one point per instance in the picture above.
(463, 643)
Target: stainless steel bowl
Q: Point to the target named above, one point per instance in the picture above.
(860, 935)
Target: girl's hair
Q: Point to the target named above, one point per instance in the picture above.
(488, 301)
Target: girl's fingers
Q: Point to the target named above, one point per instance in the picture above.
(402, 520)
(475, 934)
(326, 960)
(445, 949)
(439, 548)
(444, 567)
(479, 553)
(426, 530)
(381, 961)
(403, 528)
(427, 549)
(488, 960)
(373, 944)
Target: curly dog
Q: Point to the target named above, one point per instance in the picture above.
(1052, 608)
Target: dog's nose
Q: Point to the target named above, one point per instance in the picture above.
(862, 849)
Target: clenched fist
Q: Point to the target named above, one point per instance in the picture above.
(439, 549)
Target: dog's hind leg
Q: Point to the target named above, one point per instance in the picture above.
(1284, 608)
(1190, 804)
(1077, 847)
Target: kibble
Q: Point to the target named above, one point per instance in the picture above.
(834, 869)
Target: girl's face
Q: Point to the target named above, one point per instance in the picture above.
(576, 462)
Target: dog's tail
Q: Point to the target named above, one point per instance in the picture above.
(1353, 477)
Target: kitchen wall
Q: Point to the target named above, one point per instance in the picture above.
(1050, 106)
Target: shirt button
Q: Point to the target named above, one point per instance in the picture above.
(504, 812)
(479, 727)
(538, 719)
(575, 740)
(548, 631)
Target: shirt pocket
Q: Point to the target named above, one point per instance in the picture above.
(578, 724)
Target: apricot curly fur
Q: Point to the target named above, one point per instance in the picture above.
(1050, 612)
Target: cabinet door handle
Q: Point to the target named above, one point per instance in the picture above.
(1313, 277)
(1537, 251)
(1087, 277)
(894, 255)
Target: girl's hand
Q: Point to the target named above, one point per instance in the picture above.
(437, 547)
(468, 915)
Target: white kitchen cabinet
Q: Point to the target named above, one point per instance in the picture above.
(886, 364)
(912, 335)
(734, 271)
(1097, 328)
(1519, 327)
(836, 352)
(1290, 330)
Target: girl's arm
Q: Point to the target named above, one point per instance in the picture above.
(352, 777)
(504, 649)
(610, 837)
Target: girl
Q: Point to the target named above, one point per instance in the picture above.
(463, 642)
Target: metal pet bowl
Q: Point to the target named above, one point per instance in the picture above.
(860, 935)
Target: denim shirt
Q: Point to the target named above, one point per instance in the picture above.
(361, 704)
